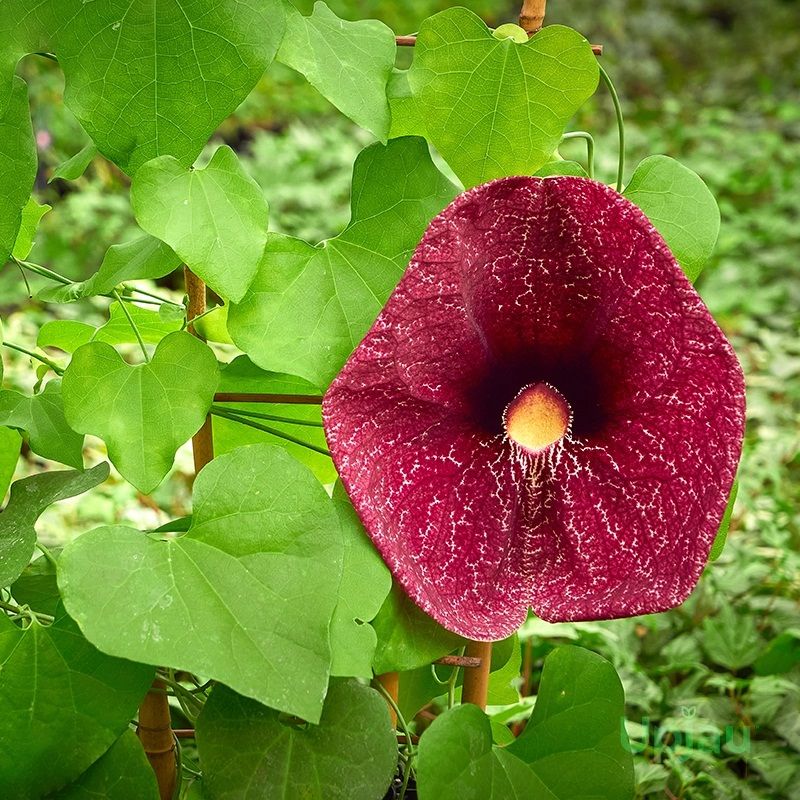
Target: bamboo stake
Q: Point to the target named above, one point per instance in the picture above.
(531, 17)
(155, 734)
(476, 680)
(155, 725)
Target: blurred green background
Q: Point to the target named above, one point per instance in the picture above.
(712, 687)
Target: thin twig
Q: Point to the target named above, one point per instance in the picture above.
(253, 397)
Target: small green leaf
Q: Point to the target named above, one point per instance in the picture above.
(105, 396)
(680, 206)
(309, 306)
(407, 117)
(731, 639)
(241, 375)
(349, 63)
(148, 78)
(249, 751)
(213, 326)
(575, 740)
(245, 597)
(10, 443)
(511, 31)
(144, 258)
(42, 417)
(495, 107)
(31, 216)
(29, 498)
(74, 167)
(456, 760)
(722, 534)
(407, 636)
(366, 581)
(37, 587)
(70, 334)
(18, 164)
(62, 704)
(780, 655)
(562, 167)
(214, 218)
(121, 773)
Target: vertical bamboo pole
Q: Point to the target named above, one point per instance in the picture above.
(155, 724)
(531, 17)
(476, 679)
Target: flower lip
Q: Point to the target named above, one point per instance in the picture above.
(537, 418)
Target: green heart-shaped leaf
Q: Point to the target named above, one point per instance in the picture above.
(456, 760)
(29, 498)
(680, 206)
(121, 773)
(41, 416)
(366, 581)
(309, 306)
(143, 413)
(62, 704)
(214, 218)
(248, 751)
(349, 63)
(245, 597)
(18, 163)
(575, 740)
(495, 107)
(148, 78)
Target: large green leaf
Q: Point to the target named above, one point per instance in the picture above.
(366, 581)
(575, 740)
(250, 752)
(25, 27)
(241, 375)
(41, 416)
(214, 218)
(407, 637)
(144, 413)
(680, 206)
(456, 760)
(18, 163)
(121, 773)
(495, 107)
(148, 78)
(70, 334)
(245, 597)
(10, 443)
(348, 62)
(142, 258)
(308, 307)
(62, 704)
(29, 498)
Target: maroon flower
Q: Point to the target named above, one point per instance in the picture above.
(544, 414)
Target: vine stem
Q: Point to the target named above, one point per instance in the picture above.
(53, 366)
(620, 125)
(589, 139)
(133, 325)
(233, 416)
(308, 423)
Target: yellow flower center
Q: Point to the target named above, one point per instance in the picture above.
(537, 417)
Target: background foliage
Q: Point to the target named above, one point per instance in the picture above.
(713, 703)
